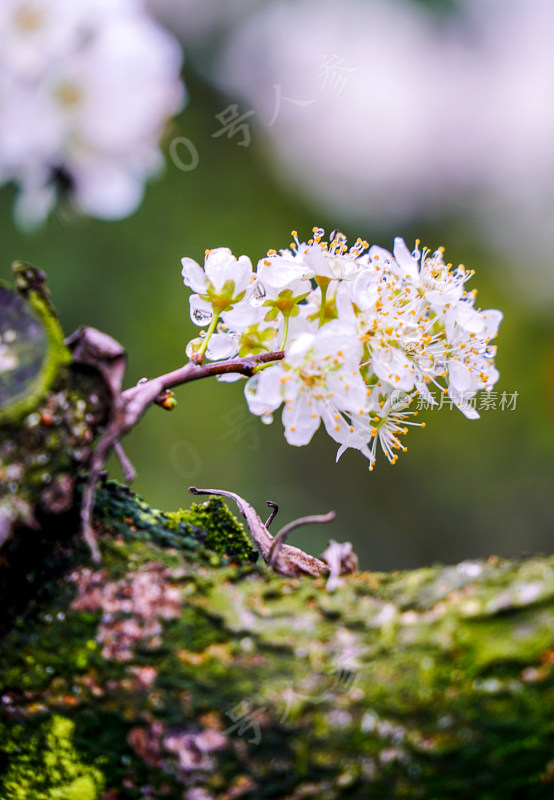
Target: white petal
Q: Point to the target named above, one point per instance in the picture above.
(380, 257)
(404, 259)
(391, 365)
(193, 275)
(318, 262)
(219, 266)
(468, 318)
(300, 287)
(242, 273)
(263, 391)
(353, 435)
(423, 390)
(439, 298)
(492, 374)
(281, 271)
(33, 205)
(338, 336)
(222, 346)
(345, 308)
(349, 390)
(222, 266)
(107, 190)
(465, 407)
(461, 379)
(298, 347)
(242, 315)
(364, 290)
(301, 421)
(200, 311)
(492, 319)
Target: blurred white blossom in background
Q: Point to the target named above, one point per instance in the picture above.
(86, 89)
(351, 98)
(389, 112)
(386, 112)
(515, 90)
(199, 22)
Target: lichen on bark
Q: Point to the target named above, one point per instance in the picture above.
(238, 682)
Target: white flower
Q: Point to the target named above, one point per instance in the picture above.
(315, 259)
(471, 361)
(220, 266)
(86, 91)
(278, 271)
(35, 33)
(318, 379)
(221, 284)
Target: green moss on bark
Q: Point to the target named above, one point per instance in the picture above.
(208, 529)
(428, 684)
(46, 765)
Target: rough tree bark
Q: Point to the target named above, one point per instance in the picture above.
(179, 667)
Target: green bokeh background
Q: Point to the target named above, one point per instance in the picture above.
(465, 489)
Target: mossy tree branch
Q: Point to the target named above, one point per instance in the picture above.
(179, 668)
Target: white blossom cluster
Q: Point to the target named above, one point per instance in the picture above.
(85, 91)
(364, 332)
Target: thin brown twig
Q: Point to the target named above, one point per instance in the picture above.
(279, 538)
(283, 558)
(130, 406)
(193, 372)
(274, 511)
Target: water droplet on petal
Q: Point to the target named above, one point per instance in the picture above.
(252, 385)
(267, 418)
(258, 295)
(201, 317)
(193, 347)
